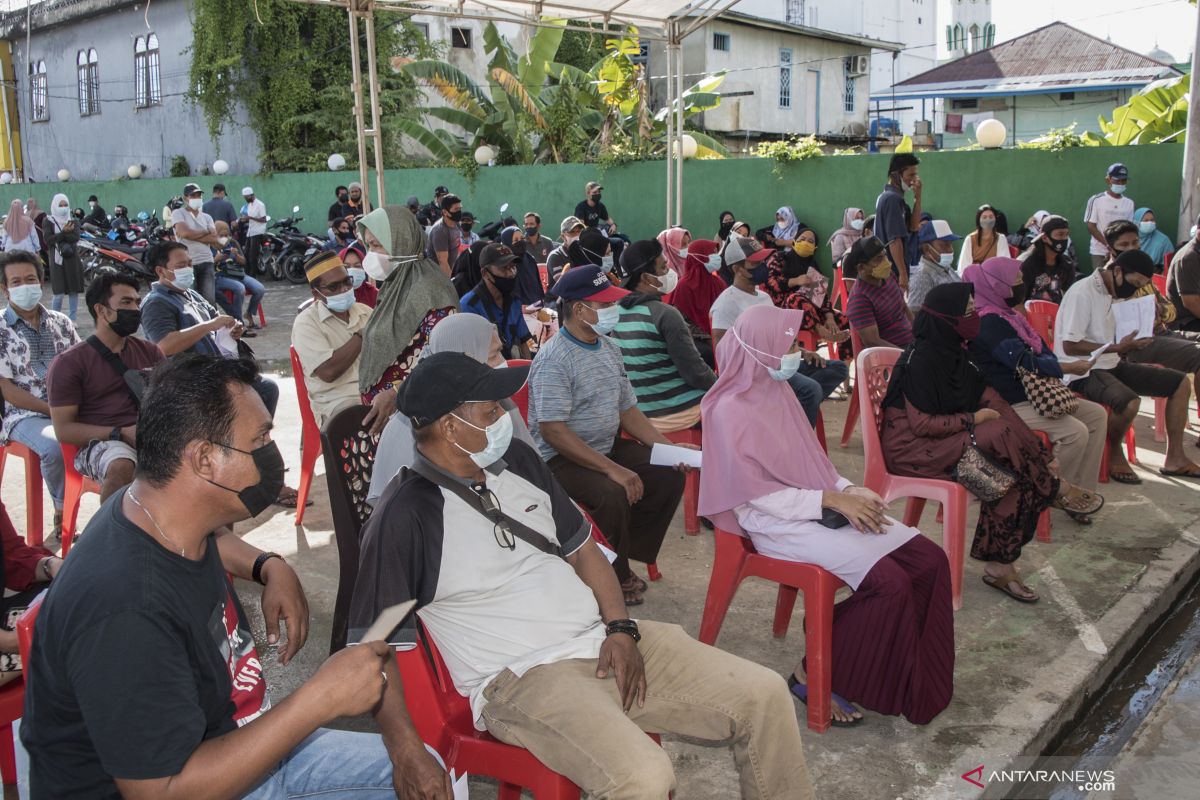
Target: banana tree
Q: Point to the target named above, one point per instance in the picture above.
(1158, 113)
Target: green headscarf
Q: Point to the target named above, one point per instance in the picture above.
(416, 287)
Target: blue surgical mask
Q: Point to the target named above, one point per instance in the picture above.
(1118, 188)
(789, 363)
(1147, 228)
(341, 302)
(987, 224)
(945, 259)
(857, 224)
(606, 319)
(714, 263)
(26, 296)
(606, 263)
(499, 437)
(185, 278)
(358, 274)
(683, 251)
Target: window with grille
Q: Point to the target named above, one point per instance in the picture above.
(785, 77)
(460, 38)
(39, 110)
(848, 96)
(721, 41)
(147, 89)
(87, 63)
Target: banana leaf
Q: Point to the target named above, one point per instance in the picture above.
(454, 85)
(465, 120)
(440, 149)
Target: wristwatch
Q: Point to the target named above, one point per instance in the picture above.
(115, 434)
(627, 626)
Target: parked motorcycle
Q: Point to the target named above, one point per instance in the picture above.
(295, 248)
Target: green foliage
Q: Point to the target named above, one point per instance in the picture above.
(180, 168)
(787, 151)
(581, 50)
(1157, 113)
(290, 64)
(1056, 140)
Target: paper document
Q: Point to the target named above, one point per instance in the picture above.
(387, 621)
(226, 342)
(1135, 315)
(1099, 351)
(669, 455)
(460, 786)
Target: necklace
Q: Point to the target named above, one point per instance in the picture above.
(161, 532)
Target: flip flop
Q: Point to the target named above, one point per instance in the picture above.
(1009, 578)
(1062, 503)
(1178, 473)
(1126, 477)
(800, 690)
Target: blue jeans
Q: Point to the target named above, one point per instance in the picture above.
(56, 303)
(206, 280)
(813, 384)
(239, 288)
(331, 765)
(37, 434)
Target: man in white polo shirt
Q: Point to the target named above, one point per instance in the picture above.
(529, 617)
(1106, 208)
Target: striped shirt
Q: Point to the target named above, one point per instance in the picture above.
(656, 380)
(881, 306)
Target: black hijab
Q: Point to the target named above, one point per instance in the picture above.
(588, 248)
(935, 373)
(723, 228)
(467, 273)
(795, 265)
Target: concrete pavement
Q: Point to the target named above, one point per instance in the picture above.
(1022, 673)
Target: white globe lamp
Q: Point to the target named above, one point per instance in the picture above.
(6, 178)
(134, 171)
(689, 146)
(991, 134)
(64, 175)
(484, 155)
(336, 162)
(220, 166)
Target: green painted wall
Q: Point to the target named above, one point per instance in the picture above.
(1018, 182)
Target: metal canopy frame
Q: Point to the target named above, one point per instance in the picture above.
(667, 23)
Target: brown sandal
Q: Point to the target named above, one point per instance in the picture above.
(1085, 503)
(1003, 583)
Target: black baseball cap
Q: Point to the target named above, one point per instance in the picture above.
(444, 381)
(441, 190)
(863, 251)
(191, 189)
(496, 255)
(1136, 261)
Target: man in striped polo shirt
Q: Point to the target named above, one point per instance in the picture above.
(667, 373)
(876, 306)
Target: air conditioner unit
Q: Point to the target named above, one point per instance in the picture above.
(860, 65)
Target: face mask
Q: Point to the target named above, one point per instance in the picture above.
(127, 322)
(1147, 228)
(945, 259)
(258, 497)
(714, 263)
(1118, 188)
(93, 205)
(195, 203)
(343, 235)
(222, 240)
(1192, 232)
(1058, 245)
(518, 248)
(857, 224)
(340, 303)
(804, 248)
(499, 437)
(760, 273)
(1125, 288)
(358, 274)
(62, 212)
(378, 266)
(343, 197)
(606, 263)
(789, 363)
(987, 224)
(531, 231)
(185, 278)
(967, 326)
(606, 319)
(466, 227)
(683, 251)
(668, 281)
(26, 296)
(724, 230)
(881, 271)
(596, 197)
(456, 216)
(503, 285)
(1018, 296)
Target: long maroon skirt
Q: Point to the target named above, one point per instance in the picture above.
(893, 639)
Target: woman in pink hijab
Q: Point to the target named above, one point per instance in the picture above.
(765, 476)
(675, 243)
(19, 231)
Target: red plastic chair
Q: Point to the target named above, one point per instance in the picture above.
(735, 560)
(262, 317)
(310, 437)
(852, 412)
(691, 486)
(1160, 403)
(33, 487)
(544, 274)
(12, 706)
(74, 486)
(1042, 315)
(1044, 523)
(808, 340)
(874, 371)
(521, 398)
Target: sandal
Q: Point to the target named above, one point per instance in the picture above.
(1126, 476)
(634, 584)
(1003, 583)
(1084, 502)
(632, 598)
(56, 531)
(800, 690)
(289, 497)
(1179, 473)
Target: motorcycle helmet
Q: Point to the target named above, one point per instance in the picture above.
(143, 216)
(175, 202)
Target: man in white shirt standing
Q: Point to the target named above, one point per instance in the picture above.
(256, 214)
(1106, 208)
(198, 233)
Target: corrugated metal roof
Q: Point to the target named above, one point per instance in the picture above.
(1057, 56)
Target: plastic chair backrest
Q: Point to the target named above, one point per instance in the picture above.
(521, 398)
(544, 274)
(307, 420)
(1042, 314)
(1160, 282)
(25, 633)
(874, 372)
(349, 452)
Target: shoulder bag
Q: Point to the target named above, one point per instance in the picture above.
(980, 474)
(1050, 397)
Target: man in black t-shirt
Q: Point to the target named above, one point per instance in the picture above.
(144, 679)
(594, 214)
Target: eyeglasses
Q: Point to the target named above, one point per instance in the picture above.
(337, 287)
(491, 507)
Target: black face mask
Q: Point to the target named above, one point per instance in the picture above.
(127, 322)
(726, 227)
(1125, 288)
(596, 197)
(760, 273)
(343, 234)
(1018, 296)
(466, 228)
(456, 216)
(1057, 245)
(518, 248)
(503, 285)
(258, 497)
(343, 197)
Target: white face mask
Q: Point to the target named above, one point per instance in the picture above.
(185, 278)
(789, 363)
(341, 302)
(668, 282)
(606, 263)
(714, 263)
(683, 251)
(1118, 188)
(857, 224)
(945, 259)
(222, 240)
(499, 437)
(62, 212)
(606, 319)
(987, 224)
(195, 203)
(378, 266)
(358, 274)
(26, 296)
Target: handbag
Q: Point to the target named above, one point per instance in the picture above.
(1050, 397)
(980, 474)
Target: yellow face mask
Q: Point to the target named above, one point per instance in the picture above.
(804, 248)
(881, 270)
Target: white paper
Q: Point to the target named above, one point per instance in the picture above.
(669, 455)
(1135, 315)
(226, 342)
(609, 554)
(1099, 351)
(387, 621)
(460, 786)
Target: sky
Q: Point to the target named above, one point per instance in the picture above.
(1136, 24)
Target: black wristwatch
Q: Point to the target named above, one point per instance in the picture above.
(262, 559)
(627, 626)
(115, 434)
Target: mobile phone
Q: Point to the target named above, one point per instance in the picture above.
(833, 519)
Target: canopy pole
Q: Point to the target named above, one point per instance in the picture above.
(376, 125)
(670, 128)
(356, 88)
(679, 157)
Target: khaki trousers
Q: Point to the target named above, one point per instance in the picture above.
(1078, 439)
(573, 722)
